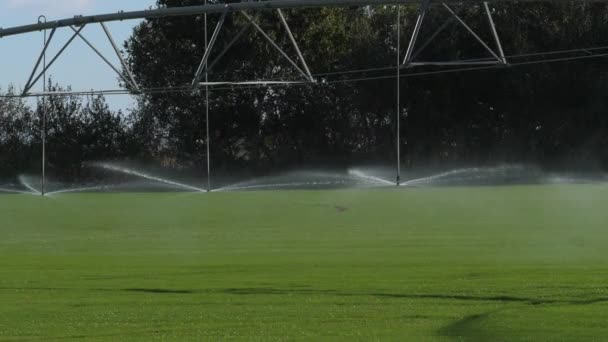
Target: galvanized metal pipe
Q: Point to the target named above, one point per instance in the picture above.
(233, 7)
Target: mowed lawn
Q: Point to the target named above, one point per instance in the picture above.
(527, 263)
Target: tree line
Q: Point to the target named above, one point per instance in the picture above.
(78, 130)
(551, 114)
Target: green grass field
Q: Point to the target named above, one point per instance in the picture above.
(525, 263)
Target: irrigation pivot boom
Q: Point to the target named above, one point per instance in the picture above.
(232, 7)
(298, 62)
(77, 24)
(244, 8)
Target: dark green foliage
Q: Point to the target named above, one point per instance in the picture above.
(77, 131)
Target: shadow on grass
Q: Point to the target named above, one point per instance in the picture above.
(274, 291)
(262, 291)
(159, 291)
(110, 336)
(466, 328)
(470, 328)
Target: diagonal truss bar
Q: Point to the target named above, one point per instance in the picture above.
(120, 74)
(28, 85)
(295, 45)
(472, 32)
(431, 38)
(203, 65)
(228, 46)
(503, 59)
(125, 66)
(424, 6)
(48, 66)
(267, 37)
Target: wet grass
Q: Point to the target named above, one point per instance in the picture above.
(523, 263)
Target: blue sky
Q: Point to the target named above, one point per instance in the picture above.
(78, 66)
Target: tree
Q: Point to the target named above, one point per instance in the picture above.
(17, 136)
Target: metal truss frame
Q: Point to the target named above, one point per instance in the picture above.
(126, 75)
(33, 79)
(77, 24)
(498, 55)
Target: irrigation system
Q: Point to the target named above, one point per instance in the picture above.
(245, 8)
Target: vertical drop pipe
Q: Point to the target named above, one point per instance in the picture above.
(207, 112)
(42, 19)
(398, 139)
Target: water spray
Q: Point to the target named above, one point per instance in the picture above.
(281, 185)
(84, 189)
(28, 185)
(136, 173)
(358, 174)
(467, 174)
(13, 191)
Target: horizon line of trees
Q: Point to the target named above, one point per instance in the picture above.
(552, 115)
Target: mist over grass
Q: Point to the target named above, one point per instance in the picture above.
(133, 177)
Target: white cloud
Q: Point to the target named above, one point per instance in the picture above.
(51, 8)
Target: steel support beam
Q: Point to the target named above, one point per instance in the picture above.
(456, 63)
(40, 58)
(472, 32)
(232, 7)
(431, 38)
(65, 46)
(498, 58)
(208, 48)
(271, 41)
(295, 45)
(424, 6)
(228, 46)
(125, 66)
(260, 83)
(495, 33)
(116, 70)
